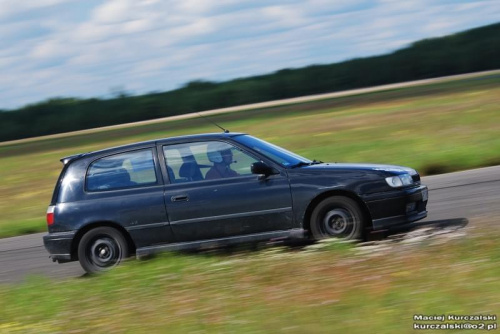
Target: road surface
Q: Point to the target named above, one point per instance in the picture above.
(470, 194)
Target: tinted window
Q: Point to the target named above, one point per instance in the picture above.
(205, 160)
(122, 171)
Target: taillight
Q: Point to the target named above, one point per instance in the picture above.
(50, 215)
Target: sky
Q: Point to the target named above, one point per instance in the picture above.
(69, 48)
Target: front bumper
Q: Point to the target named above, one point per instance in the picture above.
(397, 207)
(59, 245)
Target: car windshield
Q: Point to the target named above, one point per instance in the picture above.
(273, 152)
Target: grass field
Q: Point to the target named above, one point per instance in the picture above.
(434, 128)
(334, 289)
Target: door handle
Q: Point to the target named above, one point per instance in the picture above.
(179, 198)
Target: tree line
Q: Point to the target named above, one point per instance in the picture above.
(469, 51)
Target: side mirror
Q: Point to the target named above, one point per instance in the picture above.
(261, 168)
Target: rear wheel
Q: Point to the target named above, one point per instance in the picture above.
(337, 217)
(101, 249)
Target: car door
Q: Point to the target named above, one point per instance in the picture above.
(205, 203)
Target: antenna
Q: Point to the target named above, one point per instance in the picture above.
(210, 121)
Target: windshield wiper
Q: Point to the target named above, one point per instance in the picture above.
(303, 163)
(300, 164)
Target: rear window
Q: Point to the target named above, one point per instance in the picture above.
(125, 170)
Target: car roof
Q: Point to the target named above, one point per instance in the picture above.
(203, 136)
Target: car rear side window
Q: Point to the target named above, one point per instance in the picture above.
(124, 170)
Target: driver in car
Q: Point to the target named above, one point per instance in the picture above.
(222, 160)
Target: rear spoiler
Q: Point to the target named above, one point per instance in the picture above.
(70, 158)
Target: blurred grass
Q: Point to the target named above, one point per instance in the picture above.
(434, 128)
(331, 289)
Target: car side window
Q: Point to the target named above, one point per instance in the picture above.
(199, 161)
(122, 170)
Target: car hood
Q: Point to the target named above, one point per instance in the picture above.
(389, 169)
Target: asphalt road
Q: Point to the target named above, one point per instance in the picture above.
(469, 194)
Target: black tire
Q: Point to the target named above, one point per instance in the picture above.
(101, 249)
(337, 217)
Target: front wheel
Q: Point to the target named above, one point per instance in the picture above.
(337, 217)
(101, 249)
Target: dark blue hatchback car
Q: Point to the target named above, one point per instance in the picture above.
(216, 189)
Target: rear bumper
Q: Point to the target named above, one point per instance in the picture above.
(59, 245)
(398, 207)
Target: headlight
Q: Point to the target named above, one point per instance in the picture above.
(399, 181)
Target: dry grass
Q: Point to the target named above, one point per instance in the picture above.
(326, 290)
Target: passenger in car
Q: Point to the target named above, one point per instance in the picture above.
(222, 160)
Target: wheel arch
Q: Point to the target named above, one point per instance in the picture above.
(81, 232)
(337, 192)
